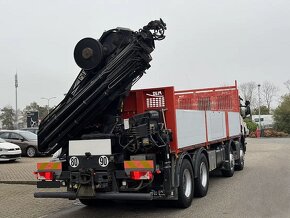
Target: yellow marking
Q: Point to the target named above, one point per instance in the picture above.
(140, 164)
(49, 166)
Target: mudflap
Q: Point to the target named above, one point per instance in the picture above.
(85, 191)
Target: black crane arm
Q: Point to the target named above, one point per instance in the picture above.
(110, 66)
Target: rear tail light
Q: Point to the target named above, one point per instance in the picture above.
(44, 175)
(141, 175)
(48, 170)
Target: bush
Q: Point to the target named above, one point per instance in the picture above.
(274, 133)
(282, 115)
(252, 126)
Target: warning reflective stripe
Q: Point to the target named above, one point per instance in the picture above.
(49, 166)
(139, 164)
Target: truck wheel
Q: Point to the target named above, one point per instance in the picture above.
(186, 185)
(201, 182)
(241, 161)
(30, 152)
(230, 172)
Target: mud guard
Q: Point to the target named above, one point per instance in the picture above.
(195, 157)
(178, 167)
(235, 147)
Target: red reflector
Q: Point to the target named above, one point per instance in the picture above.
(45, 175)
(140, 175)
(158, 171)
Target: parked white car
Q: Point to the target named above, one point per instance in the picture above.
(9, 151)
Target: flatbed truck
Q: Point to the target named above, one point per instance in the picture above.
(114, 143)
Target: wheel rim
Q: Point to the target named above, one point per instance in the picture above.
(232, 161)
(30, 152)
(187, 183)
(203, 174)
(242, 157)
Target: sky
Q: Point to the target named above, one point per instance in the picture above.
(208, 43)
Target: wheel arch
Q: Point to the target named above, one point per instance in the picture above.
(236, 145)
(231, 145)
(243, 143)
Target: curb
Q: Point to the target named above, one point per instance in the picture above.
(19, 182)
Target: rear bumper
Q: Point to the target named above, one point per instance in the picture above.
(103, 195)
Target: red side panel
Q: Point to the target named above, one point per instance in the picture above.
(210, 99)
(213, 99)
(166, 99)
(143, 100)
(227, 124)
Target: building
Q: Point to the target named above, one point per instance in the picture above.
(267, 121)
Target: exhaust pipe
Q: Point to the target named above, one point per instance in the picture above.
(69, 195)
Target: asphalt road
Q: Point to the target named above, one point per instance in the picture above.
(262, 189)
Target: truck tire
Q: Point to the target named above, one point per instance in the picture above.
(186, 187)
(31, 151)
(230, 172)
(202, 180)
(241, 161)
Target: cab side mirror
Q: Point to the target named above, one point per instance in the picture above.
(248, 108)
(248, 111)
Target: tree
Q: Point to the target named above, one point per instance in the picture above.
(247, 92)
(252, 126)
(7, 117)
(269, 91)
(282, 115)
(263, 110)
(287, 84)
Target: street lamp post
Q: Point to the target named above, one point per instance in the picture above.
(48, 99)
(259, 102)
(16, 108)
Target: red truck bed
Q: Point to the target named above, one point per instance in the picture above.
(196, 117)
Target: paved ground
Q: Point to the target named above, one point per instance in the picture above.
(262, 189)
(20, 170)
(16, 199)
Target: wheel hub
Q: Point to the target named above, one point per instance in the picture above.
(203, 174)
(232, 161)
(187, 183)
